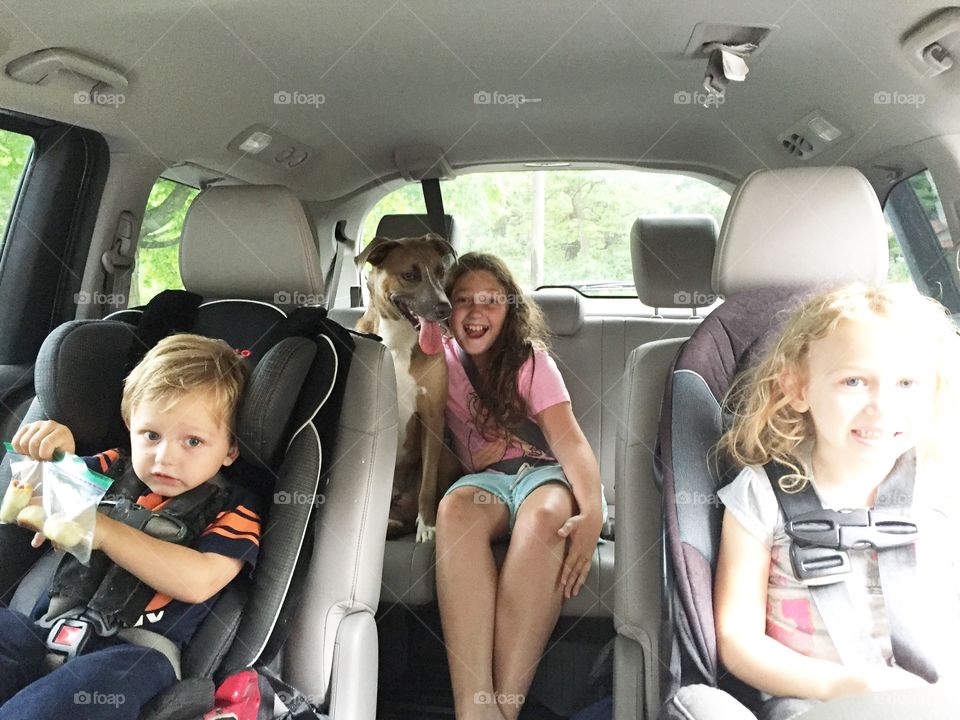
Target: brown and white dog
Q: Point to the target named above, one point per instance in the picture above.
(407, 303)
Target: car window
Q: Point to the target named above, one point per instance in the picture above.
(157, 265)
(922, 249)
(15, 152)
(567, 227)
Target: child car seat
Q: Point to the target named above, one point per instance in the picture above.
(80, 368)
(786, 233)
(285, 421)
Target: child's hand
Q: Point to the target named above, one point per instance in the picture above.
(878, 679)
(582, 532)
(39, 439)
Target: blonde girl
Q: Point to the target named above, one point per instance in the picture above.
(860, 376)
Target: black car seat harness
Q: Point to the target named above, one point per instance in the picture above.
(105, 599)
(822, 541)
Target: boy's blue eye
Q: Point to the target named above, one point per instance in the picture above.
(853, 382)
(194, 442)
(906, 383)
(151, 435)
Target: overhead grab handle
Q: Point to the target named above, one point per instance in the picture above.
(36, 67)
(929, 43)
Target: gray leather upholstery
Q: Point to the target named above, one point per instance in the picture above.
(562, 308)
(637, 590)
(801, 226)
(332, 646)
(252, 242)
(409, 225)
(672, 259)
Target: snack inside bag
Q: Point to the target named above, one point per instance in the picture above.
(57, 498)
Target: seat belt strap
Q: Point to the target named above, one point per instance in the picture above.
(903, 598)
(433, 200)
(528, 431)
(298, 706)
(850, 637)
(903, 594)
(155, 641)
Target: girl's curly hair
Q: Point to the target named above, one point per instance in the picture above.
(499, 407)
(766, 427)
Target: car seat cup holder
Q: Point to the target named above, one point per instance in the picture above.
(822, 539)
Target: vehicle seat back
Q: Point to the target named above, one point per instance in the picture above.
(787, 233)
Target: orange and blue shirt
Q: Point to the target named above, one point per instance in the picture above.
(235, 533)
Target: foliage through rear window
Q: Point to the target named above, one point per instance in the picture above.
(583, 239)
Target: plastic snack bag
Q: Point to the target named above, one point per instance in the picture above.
(68, 493)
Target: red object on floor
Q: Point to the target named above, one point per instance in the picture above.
(238, 696)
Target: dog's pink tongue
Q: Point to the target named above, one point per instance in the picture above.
(430, 341)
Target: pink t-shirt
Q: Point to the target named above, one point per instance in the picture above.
(541, 386)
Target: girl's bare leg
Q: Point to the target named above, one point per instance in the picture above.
(528, 597)
(467, 523)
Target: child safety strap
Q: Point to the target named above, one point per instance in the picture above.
(528, 431)
(819, 554)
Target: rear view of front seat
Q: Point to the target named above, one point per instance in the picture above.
(672, 263)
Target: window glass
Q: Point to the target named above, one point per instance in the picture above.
(15, 152)
(922, 249)
(568, 227)
(157, 265)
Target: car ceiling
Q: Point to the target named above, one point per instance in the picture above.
(404, 73)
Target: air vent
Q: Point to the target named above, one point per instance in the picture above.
(809, 137)
(798, 145)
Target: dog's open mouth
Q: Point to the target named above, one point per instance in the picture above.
(429, 334)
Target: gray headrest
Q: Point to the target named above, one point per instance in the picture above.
(562, 309)
(801, 226)
(401, 226)
(252, 242)
(673, 259)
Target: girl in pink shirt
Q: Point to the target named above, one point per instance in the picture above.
(533, 477)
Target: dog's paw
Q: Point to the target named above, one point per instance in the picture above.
(425, 533)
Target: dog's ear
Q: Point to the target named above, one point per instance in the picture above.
(376, 251)
(447, 253)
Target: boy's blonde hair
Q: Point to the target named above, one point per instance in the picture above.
(766, 427)
(184, 364)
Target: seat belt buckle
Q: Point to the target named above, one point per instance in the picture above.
(69, 635)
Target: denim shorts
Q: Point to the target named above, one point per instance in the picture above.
(512, 490)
